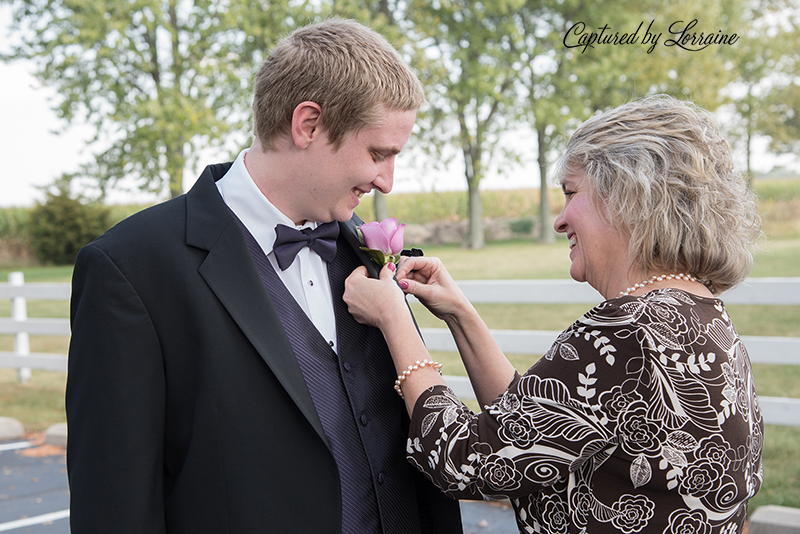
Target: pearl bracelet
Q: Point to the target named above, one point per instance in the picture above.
(411, 368)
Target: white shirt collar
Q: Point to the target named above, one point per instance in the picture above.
(253, 208)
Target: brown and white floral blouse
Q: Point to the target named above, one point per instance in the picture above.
(642, 417)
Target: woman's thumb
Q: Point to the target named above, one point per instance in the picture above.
(387, 272)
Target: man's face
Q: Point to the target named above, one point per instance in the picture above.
(335, 180)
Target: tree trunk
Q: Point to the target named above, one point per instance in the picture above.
(546, 232)
(476, 237)
(472, 170)
(381, 209)
(747, 152)
(176, 161)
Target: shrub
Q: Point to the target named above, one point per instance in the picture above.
(60, 226)
(522, 226)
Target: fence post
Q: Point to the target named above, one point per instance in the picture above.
(19, 312)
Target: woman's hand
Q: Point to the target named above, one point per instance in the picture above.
(488, 369)
(428, 280)
(374, 302)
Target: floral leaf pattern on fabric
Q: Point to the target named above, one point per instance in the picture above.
(641, 417)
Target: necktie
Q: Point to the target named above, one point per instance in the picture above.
(289, 241)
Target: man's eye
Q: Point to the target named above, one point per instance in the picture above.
(378, 157)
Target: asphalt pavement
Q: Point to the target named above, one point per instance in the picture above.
(34, 495)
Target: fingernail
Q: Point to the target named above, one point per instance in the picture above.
(403, 284)
(392, 267)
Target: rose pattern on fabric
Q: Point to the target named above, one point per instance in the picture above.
(499, 473)
(688, 522)
(517, 429)
(632, 513)
(554, 514)
(615, 401)
(642, 417)
(638, 434)
(701, 479)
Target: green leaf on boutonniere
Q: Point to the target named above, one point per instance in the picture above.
(375, 255)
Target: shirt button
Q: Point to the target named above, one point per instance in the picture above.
(364, 419)
(311, 282)
(346, 366)
(381, 477)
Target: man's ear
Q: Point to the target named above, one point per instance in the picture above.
(306, 123)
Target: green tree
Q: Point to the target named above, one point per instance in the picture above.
(564, 83)
(159, 80)
(780, 109)
(472, 83)
(782, 123)
(62, 224)
(760, 54)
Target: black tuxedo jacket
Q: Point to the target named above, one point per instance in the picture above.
(187, 409)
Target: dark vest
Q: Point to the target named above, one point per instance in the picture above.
(353, 393)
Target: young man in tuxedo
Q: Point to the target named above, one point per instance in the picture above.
(217, 383)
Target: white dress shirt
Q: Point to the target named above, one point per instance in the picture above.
(307, 277)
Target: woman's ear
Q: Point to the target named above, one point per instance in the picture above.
(306, 123)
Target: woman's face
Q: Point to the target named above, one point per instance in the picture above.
(598, 250)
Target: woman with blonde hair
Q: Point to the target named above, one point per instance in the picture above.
(642, 416)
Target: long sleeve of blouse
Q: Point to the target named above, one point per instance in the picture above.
(642, 417)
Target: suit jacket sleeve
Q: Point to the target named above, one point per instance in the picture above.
(115, 404)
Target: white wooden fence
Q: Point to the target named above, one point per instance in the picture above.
(762, 349)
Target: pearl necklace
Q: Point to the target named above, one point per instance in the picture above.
(657, 278)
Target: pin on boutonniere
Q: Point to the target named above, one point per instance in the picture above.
(383, 241)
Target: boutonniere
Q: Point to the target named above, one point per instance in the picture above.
(383, 241)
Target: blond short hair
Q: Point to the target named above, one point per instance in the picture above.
(665, 176)
(351, 71)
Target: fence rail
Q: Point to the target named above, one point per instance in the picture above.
(762, 349)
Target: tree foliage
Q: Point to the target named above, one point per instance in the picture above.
(564, 83)
(162, 79)
(62, 224)
(158, 79)
(473, 82)
(509, 63)
(779, 116)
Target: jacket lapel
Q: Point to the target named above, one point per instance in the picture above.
(348, 231)
(231, 274)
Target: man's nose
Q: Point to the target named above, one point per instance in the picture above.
(385, 179)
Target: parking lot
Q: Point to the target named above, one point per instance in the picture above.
(34, 494)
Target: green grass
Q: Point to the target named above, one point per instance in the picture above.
(39, 274)
(778, 257)
(38, 403)
(781, 462)
(777, 189)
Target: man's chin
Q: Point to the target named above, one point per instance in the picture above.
(344, 216)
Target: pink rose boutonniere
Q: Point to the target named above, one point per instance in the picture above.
(383, 241)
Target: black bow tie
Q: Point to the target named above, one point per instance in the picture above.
(289, 241)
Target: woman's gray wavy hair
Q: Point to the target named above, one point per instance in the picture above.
(664, 174)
